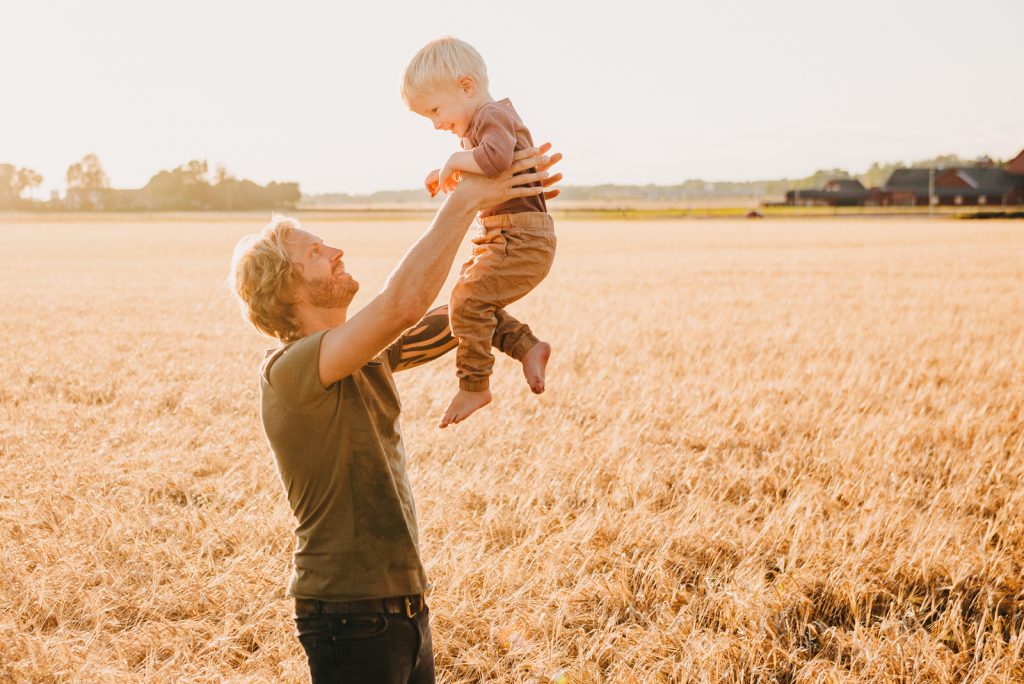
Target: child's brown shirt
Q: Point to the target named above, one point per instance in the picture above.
(495, 134)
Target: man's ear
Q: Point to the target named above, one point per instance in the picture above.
(296, 285)
(468, 85)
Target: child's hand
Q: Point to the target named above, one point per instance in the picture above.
(432, 184)
(448, 178)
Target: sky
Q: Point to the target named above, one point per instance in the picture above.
(631, 93)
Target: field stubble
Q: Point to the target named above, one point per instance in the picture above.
(769, 452)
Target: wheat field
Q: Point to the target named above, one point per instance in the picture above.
(769, 452)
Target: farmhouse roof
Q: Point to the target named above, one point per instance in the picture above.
(914, 180)
(845, 185)
(978, 180)
(1016, 165)
(835, 189)
(989, 180)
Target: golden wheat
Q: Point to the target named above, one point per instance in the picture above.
(768, 452)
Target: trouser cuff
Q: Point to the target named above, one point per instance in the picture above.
(474, 385)
(523, 345)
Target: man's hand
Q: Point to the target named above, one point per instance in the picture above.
(448, 177)
(431, 183)
(550, 180)
(484, 192)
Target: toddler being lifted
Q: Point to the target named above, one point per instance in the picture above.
(446, 82)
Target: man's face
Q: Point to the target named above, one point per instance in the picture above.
(449, 109)
(325, 283)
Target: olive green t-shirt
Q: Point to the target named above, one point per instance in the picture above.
(341, 459)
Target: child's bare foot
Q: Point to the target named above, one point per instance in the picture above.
(463, 405)
(534, 364)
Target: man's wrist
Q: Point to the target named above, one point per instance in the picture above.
(459, 203)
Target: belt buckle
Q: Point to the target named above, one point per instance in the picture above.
(306, 607)
(408, 609)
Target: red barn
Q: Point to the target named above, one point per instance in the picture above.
(1016, 165)
(960, 185)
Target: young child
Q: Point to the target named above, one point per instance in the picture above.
(446, 82)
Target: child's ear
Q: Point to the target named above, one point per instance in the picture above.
(468, 85)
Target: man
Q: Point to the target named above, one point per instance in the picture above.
(330, 411)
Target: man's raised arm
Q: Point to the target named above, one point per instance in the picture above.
(414, 284)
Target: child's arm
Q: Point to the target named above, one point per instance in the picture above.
(493, 155)
(463, 161)
(451, 173)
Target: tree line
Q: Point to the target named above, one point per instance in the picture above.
(14, 182)
(187, 187)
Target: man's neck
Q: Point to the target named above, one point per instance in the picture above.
(315, 319)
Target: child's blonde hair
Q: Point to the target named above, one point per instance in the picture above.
(441, 63)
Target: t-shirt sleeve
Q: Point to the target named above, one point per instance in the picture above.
(497, 136)
(394, 353)
(294, 373)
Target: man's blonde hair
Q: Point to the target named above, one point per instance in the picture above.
(440, 64)
(264, 279)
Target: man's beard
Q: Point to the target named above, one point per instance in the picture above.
(330, 292)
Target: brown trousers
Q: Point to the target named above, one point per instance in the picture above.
(509, 260)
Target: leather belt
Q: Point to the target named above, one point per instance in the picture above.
(410, 606)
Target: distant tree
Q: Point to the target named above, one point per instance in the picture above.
(166, 190)
(195, 172)
(8, 184)
(188, 187)
(878, 174)
(284, 195)
(28, 179)
(185, 187)
(197, 186)
(224, 188)
(221, 174)
(14, 181)
(87, 174)
(943, 161)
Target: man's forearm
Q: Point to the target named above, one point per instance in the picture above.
(419, 276)
(432, 338)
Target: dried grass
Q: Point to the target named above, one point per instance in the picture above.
(770, 452)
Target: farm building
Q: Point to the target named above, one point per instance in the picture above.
(907, 187)
(982, 183)
(1016, 165)
(978, 186)
(975, 185)
(838, 192)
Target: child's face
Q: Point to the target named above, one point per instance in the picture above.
(449, 110)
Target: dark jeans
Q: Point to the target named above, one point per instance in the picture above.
(376, 648)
